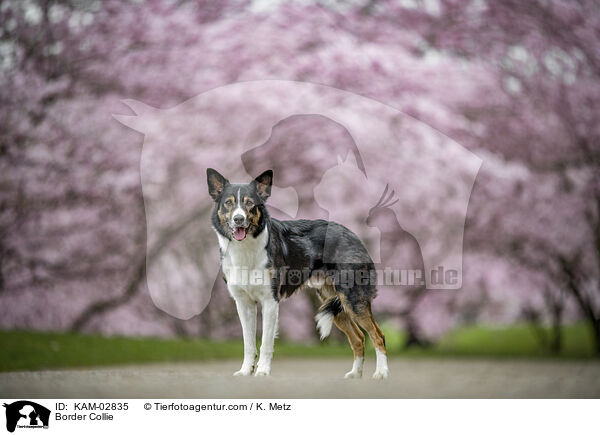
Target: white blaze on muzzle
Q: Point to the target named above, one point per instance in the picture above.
(239, 211)
(238, 233)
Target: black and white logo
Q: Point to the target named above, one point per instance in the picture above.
(26, 414)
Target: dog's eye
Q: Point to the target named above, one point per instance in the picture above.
(228, 203)
(250, 203)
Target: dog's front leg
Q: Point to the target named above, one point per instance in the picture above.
(246, 309)
(270, 316)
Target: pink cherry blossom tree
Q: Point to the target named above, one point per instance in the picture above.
(514, 82)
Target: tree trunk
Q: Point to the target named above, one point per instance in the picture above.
(414, 337)
(556, 338)
(1, 274)
(595, 323)
(532, 317)
(585, 303)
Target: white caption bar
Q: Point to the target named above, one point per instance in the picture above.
(266, 416)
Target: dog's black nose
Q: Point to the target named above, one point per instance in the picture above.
(238, 219)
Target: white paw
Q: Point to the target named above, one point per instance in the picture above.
(263, 367)
(381, 374)
(243, 372)
(353, 375)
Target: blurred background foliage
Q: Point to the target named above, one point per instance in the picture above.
(517, 83)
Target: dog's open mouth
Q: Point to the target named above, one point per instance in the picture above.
(239, 233)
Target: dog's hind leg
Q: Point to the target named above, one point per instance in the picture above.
(357, 341)
(364, 317)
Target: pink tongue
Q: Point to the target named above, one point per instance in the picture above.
(239, 233)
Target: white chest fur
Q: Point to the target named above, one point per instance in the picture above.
(244, 265)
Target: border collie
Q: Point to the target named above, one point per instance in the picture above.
(266, 260)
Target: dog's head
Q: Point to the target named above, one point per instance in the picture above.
(239, 208)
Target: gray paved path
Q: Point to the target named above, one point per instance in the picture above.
(316, 378)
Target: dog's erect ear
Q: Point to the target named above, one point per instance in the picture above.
(216, 183)
(263, 184)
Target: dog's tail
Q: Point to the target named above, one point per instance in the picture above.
(325, 315)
